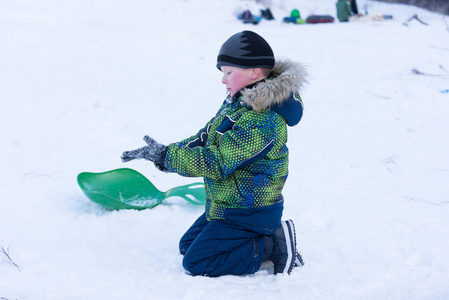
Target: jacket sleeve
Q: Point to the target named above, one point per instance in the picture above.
(249, 139)
(201, 136)
(193, 138)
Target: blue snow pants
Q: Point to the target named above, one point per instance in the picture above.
(234, 245)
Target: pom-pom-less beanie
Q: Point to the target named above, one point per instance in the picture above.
(246, 50)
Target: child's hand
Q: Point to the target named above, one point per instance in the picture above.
(154, 152)
(134, 154)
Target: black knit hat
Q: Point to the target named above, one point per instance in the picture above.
(246, 50)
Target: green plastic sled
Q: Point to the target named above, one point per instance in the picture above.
(128, 189)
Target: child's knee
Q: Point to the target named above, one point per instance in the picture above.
(183, 247)
(192, 267)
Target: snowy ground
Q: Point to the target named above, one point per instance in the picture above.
(82, 81)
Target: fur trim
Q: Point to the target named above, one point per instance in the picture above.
(288, 77)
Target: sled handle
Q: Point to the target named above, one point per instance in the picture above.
(193, 193)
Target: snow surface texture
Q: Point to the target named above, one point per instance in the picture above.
(82, 81)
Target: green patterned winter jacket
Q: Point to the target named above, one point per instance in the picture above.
(242, 152)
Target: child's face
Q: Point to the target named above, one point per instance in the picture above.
(236, 78)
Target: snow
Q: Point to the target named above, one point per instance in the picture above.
(82, 81)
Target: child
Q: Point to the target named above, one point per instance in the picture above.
(243, 157)
(344, 10)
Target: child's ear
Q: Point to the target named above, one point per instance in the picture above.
(255, 73)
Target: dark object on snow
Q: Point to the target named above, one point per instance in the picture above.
(355, 10)
(415, 17)
(440, 6)
(295, 18)
(315, 19)
(248, 18)
(418, 72)
(344, 10)
(266, 14)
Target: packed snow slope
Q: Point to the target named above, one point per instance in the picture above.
(82, 81)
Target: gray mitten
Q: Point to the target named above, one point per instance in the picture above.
(154, 152)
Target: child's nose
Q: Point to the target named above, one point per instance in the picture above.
(223, 80)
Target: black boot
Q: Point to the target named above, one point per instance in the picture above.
(281, 248)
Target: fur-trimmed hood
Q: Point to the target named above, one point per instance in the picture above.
(286, 78)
